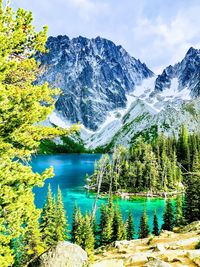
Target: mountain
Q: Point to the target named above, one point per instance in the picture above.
(159, 104)
(94, 74)
(115, 96)
(186, 73)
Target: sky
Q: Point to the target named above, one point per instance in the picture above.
(157, 32)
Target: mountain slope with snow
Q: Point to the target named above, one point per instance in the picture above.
(186, 73)
(94, 75)
(123, 98)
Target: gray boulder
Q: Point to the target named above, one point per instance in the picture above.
(64, 254)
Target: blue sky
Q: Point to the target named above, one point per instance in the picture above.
(157, 32)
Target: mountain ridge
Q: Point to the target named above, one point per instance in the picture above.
(116, 97)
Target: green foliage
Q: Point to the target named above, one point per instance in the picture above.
(83, 231)
(53, 222)
(47, 223)
(23, 106)
(144, 226)
(61, 219)
(130, 227)
(192, 195)
(106, 226)
(155, 225)
(88, 236)
(168, 216)
(119, 230)
(179, 219)
(77, 225)
(68, 146)
(156, 167)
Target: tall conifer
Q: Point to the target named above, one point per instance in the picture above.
(168, 216)
(155, 224)
(130, 226)
(144, 226)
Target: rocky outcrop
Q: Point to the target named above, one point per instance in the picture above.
(187, 73)
(64, 254)
(170, 249)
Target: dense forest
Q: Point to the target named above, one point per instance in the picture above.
(161, 166)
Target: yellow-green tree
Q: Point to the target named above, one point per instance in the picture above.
(22, 106)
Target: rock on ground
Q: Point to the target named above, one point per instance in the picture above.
(64, 254)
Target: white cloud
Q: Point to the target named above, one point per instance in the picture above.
(87, 9)
(171, 39)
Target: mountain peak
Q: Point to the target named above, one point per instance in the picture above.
(186, 72)
(191, 51)
(94, 74)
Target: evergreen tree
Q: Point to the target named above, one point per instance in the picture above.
(179, 211)
(192, 194)
(168, 216)
(61, 219)
(95, 229)
(155, 224)
(88, 236)
(144, 227)
(77, 226)
(48, 220)
(118, 226)
(130, 227)
(106, 233)
(106, 223)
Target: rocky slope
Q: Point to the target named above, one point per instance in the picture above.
(160, 104)
(94, 74)
(168, 250)
(186, 73)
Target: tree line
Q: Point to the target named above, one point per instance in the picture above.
(89, 232)
(161, 166)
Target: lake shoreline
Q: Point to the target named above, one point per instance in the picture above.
(130, 196)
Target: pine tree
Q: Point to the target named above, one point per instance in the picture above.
(144, 227)
(118, 226)
(179, 211)
(77, 226)
(130, 227)
(95, 229)
(61, 219)
(168, 216)
(88, 236)
(192, 194)
(48, 220)
(106, 233)
(155, 224)
(106, 223)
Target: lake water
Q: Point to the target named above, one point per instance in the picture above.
(70, 171)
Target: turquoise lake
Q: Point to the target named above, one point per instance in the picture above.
(70, 171)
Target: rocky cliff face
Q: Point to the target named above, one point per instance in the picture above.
(94, 74)
(187, 73)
